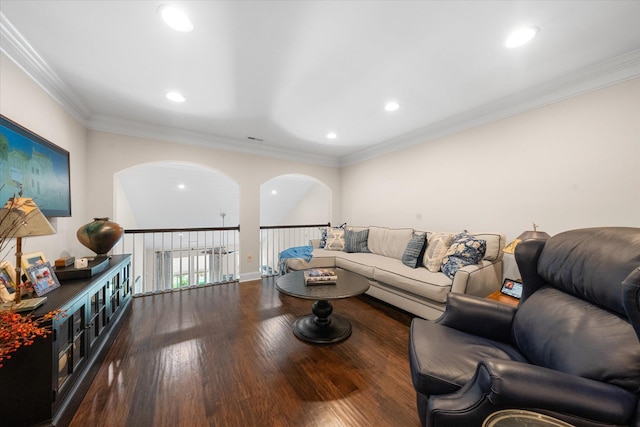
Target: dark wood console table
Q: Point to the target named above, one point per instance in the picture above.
(44, 384)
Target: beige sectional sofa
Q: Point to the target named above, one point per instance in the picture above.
(421, 290)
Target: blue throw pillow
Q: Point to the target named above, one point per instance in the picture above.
(412, 256)
(465, 250)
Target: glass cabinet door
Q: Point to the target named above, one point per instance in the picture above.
(70, 344)
(97, 314)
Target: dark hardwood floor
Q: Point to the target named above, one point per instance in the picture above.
(225, 355)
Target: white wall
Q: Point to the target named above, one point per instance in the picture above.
(569, 165)
(109, 153)
(313, 208)
(24, 102)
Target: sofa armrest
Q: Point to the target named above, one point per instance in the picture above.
(478, 316)
(505, 384)
(478, 279)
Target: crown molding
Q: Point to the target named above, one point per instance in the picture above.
(616, 70)
(181, 136)
(17, 48)
(598, 76)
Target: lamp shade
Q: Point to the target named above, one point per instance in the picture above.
(533, 235)
(526, 235)
(21, 217)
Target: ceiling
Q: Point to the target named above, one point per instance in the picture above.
(287, 73)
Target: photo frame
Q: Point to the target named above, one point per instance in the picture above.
(43, 278)
(7, 282)
(32, 259)
(36, 166)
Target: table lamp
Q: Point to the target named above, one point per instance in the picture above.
(527, 235)
(20, 217)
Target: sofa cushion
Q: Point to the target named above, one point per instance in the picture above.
(433, 374)
(584, 348)
(495, 243)
(437, 246)
(465, 250)
(414, 252)
(335, 239)
(360, 263)
(591, 263)
(322, 258)
(390, 242)
(417, 281)
(356, 241)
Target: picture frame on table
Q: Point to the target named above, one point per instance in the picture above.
(7, 282)
(43, 278)
(32, 259)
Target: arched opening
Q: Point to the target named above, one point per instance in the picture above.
(285, 201)
(175, 195)
(176, 209)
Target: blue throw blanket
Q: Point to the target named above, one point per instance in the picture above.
(304, 252)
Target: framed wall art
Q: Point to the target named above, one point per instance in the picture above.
(43, 278)
(36, 166)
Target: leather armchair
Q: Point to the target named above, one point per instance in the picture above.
(570, 350)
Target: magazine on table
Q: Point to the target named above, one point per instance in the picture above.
(320, 276)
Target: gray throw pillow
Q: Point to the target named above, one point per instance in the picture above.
(356, 241)
(412, 256)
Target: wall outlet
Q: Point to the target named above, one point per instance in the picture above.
(249, 257)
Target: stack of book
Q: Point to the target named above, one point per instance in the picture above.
(320, 276)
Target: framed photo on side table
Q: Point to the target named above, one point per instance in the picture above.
(7, 282)
(43, 278)
(31, 259)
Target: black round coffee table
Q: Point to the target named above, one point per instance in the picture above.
(322, 327)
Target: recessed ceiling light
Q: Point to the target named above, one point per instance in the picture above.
(175, 96)
(521, 36)
(274, 192)
(176, 18)
(391, 106)
(181, 186)
(332, 135)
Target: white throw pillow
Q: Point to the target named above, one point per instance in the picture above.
(437, 246)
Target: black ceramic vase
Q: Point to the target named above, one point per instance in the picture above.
(100, 235)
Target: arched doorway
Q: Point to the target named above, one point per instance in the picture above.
(290, 200)
(179, 203)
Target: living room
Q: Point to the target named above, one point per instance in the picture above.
(558, 165)
(564, 159)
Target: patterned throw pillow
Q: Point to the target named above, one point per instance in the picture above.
(437, 247)
(356, 241)
(335, 239)
(412, 256)
(323, 237)
(465, 250)
(323, 234)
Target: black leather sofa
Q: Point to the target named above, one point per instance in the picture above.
(570, 350)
